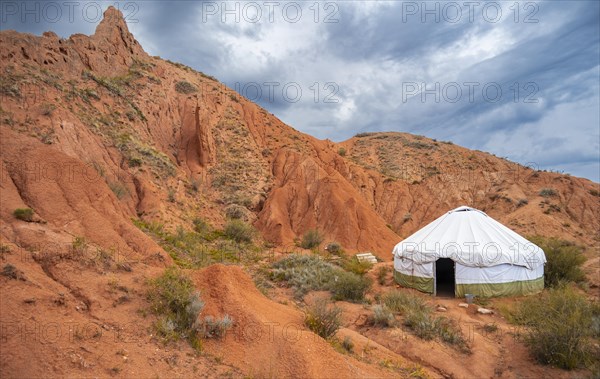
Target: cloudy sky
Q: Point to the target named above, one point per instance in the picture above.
(519, 79)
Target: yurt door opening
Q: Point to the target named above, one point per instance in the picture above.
(445, 279)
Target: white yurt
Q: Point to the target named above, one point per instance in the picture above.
(467, 252)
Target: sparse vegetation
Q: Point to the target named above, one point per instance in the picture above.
(334, 248)
(185, 87)
(304, 273)
(79, 244)
(560, 325)
(418, 316)
(46, 109)
(382, 274)
(24, 214)
(118, 189)
(323, 318)
(564, 260)
(12, 272)
(358, 267)
(175, 301)
(216, 328)
(349, 286)
(595, 192)
(239, 231)
(547, 192)
(311, 273)
(234, 211)
(522, 202)
(347, 344)
(342, 151)
(382, 316)
(311, 239)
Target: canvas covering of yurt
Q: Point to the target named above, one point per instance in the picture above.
(489, 259)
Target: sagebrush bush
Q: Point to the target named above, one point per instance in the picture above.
(323, 319)
(216, 328)
(334, 248)
(349, 286)
(304, 273)
(24, 214)
(560, 325)
(311, 273)
(311, 239)
(235, 211)
(564, 260)
(174, 299)
(382, 316)
(239, 231)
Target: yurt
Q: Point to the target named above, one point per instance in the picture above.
(467, 252)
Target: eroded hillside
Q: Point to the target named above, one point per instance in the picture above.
(101, 140)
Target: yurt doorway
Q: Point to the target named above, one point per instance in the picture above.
(444, 277)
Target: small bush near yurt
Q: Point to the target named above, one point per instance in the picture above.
(304, 273)
(323, 319)
(564, 260)
(560, 327)
(349, 286)
(382, 316)
(419, 318)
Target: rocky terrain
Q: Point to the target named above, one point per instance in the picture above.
(114, 149)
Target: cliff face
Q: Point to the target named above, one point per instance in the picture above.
(164, 142)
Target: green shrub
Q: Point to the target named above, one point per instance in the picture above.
(418, 316)
(216, 328)
(356, 266)
(334, 248)
(347, 344)
(239, 231)
(202, 227)
(595, 192)
(235, 211)
(118, 189)
(349, 286)
(185, 87)
(342, 152)
(311, 239)
(323, 319)
(382, 316)
(304, 273)
(311, 273)
(25, 214)
(449, 331)
(173, 298)
(79, 244)
(402, 302)
(382, 274)
(547, 192)
(560, 325)
(564, 260)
